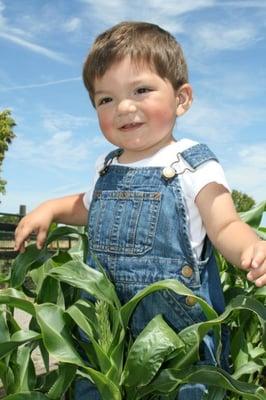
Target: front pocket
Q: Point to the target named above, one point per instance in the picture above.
(123, 222)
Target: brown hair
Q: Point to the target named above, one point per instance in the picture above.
(143, 42)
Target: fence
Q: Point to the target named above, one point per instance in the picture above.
(7, 233)
(8, 224)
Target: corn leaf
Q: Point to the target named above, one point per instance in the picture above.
(80, 275)
(170, 284)
(107, 389)
(16, 340)
(254, 216)
(27, 396)
(16, 298)
(56, 335)
(150, 349)
(66, 374)
(169, 380)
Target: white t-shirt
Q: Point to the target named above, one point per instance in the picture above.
(191, 183)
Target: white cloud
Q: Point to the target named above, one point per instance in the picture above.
(72, 25)
(248, 171)
(224, 36)
(164, 13)
(243, 4)
(213, 122)
(20, 37)
(254, 155)
(54, 121)
(62, 145)
(38, 85)
(34, 47)
(2, 18)
(172, 7)
(60, 150)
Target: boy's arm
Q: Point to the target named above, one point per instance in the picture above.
(66, 210)
(232, 237)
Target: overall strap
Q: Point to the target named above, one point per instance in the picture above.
(197, 155)
(109, 158)
(113, 154)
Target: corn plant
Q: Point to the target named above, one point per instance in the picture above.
(153, 365)
(248, 356)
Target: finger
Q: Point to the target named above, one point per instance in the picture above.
(247, 257)
(258, 259)
(21, 248)
(41, 238)
(18, 239)
(21, 235)
(261, 281)
(256, 273)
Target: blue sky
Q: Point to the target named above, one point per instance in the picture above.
(42, 48)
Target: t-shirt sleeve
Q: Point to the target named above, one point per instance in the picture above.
(88, 195)
(208, 172)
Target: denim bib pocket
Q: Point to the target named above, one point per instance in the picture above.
(123, 222)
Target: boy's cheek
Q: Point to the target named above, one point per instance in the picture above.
(105, 124)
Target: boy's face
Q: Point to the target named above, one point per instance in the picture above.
(136, 109)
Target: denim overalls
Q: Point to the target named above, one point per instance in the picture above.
(138, 230)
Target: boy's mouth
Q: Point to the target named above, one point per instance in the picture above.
(131, 125)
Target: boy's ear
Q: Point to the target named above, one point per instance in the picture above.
(183, 99)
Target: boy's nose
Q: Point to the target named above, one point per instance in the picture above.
(126, 106)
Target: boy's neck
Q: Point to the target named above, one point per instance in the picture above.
(128, 157)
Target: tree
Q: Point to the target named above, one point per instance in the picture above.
(242, 201)
(7, 124)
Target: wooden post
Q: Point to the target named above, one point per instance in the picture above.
(22, 210)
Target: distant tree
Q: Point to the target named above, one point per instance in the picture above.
(10, 219)
(242, 201)
(7, 124)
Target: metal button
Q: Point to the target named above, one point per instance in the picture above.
(187, 271)
(191, 301)
(168, 172)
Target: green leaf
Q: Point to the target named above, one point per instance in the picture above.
(254, 216)
(50, 292)
(65, 376)
(239, 348)
(84, 324)
(16, 340)
(6, 376)
(170, 284)
(80, 275)
(23, 369)
(56, 334)
(248, 368)
(193, 334)
(62, 231)
(27, 396)
(169, 380)
(150, 349)
(16, 298)
(107, 389)
(4, 332)
(24, 262)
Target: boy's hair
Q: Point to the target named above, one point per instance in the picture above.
(143, 42)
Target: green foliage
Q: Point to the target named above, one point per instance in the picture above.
(248, 356)
(155, 364)
(242, 201)
(7, 124)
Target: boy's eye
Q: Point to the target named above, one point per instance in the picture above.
(104, 100)
(143, 90)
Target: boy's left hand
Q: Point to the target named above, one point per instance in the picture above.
(254, 260)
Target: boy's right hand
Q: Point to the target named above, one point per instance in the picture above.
(38, 221)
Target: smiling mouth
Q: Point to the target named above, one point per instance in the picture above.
(132, 125)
